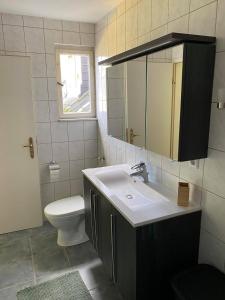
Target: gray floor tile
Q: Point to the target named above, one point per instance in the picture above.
(46, 229)
(15, 262)
(13, 236)
(10, 292)
(48, 257)
(82, 255)
(106, 293)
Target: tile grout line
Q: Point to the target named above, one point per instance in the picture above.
(32, 260)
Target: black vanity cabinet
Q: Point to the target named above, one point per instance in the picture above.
(140, 260)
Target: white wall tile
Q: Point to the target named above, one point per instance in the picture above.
(54, 111)
(76, 187)
(62, 190)
(90, 130)
(87, 39)
(76, 150)
(60, 152)
(33, 21)
(44, 153)
(71, 26)
(52, 37)
(171, 166)
(191, 173)
(91, 149)
(47, 194)
(179, 25)
(76, 130)
(2, 43)
(76, 166)
(87, 27)
(220, 25)
(14, 38)
(52, 88)
(51, 65)
(42, 111)
(144, 17)
(44, 173)
(34, 38)
(52, 24)
(59, 132)
(39, 90)
(203, 21)
(212, 251)
(178, 8)
(195, 4)
(11, 19)
(38, 64)
(71, 38)
(170, 182)
(159, 13)
(131, 24)
(219, 75)
(215, 218)
(90, 163)
(214, 172)
(217, 128)
(43, 133)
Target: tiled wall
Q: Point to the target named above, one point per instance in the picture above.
(72, 144)
(136, 22)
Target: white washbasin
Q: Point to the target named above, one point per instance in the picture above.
(132, 192)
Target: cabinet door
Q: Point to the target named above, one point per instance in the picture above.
(104, 210)
(124, 244)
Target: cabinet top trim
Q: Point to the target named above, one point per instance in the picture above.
(161, 43)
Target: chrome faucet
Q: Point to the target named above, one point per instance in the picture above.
(141, 170)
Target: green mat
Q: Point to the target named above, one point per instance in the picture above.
(67, 287)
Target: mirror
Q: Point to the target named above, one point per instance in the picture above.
(164, 85)
(162, 101)
(126, 101)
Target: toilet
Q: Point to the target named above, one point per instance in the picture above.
(67, 215)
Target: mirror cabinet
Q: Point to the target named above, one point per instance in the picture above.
(159, 95)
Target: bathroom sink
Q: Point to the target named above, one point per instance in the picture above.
(131, 191)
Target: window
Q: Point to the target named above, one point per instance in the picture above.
(75, 81)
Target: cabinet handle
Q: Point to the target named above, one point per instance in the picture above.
(95, 222)
(92, 217)
(112, 226)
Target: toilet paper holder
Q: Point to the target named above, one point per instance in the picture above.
(53, 165)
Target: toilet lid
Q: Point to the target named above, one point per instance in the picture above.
(67, 206)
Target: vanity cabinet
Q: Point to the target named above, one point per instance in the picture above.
(140, 260)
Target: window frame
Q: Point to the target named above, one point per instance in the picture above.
(82, 51)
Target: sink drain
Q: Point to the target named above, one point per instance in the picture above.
(129, 196)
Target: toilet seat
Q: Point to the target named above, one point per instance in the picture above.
(65, 207)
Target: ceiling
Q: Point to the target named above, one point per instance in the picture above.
(74, 10)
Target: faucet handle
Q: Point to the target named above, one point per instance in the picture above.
(137, 166)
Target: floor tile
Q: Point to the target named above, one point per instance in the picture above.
(49, 258)
(15, 262)
(10, 292)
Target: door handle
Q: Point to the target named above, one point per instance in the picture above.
(30, 146)
(132, 135)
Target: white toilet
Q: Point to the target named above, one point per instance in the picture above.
(67, 215)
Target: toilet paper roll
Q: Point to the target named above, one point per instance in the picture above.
(54, 170)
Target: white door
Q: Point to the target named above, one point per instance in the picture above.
(20, 204)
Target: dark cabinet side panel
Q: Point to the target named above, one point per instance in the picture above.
(198, 70)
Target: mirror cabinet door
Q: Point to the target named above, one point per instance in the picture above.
(164, 83)
(126, 101)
